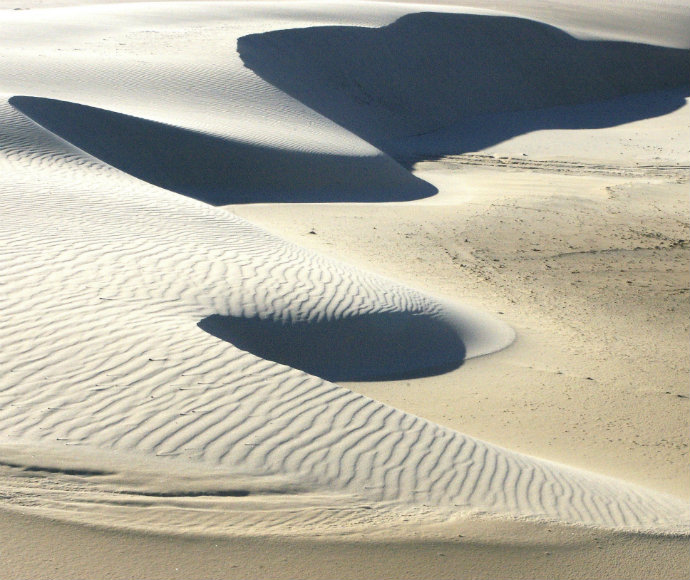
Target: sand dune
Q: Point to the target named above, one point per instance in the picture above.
(119, 358)
(144, 327)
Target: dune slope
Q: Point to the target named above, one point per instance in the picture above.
(140, 321)
(111, 282)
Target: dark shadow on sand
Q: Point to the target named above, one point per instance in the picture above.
(359, 348)
(482, 79)
(428, 71)
(216, 170)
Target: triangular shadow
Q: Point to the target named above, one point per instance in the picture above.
(218, 170)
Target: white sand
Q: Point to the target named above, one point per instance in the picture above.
(170, 367)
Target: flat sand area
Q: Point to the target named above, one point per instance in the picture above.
(328, 290)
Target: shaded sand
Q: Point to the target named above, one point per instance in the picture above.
(229, 171)
(390, 87)
(166, 365)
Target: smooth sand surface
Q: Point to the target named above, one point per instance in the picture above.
(61, 550)
(462, 354)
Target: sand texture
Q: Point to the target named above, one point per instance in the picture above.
(390, 273)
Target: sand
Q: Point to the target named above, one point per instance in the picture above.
(463, 353)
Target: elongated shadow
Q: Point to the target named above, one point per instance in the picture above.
(427, 71)
(216, 170)
(482, 131)
(359, 348)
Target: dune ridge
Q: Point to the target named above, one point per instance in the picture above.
(121, 302)
(132, 371)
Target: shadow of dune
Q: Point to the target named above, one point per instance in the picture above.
(372, 346)
(217, 170)
(483, 131)
(427, 71)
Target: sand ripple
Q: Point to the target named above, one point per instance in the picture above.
(138, 321)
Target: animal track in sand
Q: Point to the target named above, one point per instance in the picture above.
(676, 172)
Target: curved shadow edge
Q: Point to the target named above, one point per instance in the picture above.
(427, 71)
(218, 170)
(374, 346)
